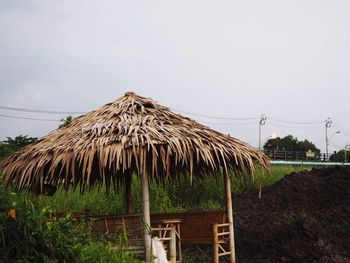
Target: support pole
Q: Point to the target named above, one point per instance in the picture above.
(230, 216)
(262, 122)
(215, 244)
(173, 244)
(328, 125)
(327, 142)
(128, 196)
(146, 215)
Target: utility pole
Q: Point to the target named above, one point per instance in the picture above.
(262, 122)
(328, 125)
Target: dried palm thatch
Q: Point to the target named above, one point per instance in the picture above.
(131, 134)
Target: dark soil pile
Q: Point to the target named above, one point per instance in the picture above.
(303, 218)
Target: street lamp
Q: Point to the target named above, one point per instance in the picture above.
(329, 140)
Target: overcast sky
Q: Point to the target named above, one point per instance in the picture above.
(289, 60)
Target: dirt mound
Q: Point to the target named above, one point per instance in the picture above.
(303, 218)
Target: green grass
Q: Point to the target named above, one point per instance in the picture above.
(173, 196)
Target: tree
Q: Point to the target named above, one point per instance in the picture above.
(65, 122)
(11, 145)
(290, 143)
(340, 156)
(5, 151)
(19, 141)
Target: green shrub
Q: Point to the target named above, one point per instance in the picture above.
(29, 234)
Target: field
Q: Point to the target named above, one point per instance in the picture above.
(170, 197)
(301, 217)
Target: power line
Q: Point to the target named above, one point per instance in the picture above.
(294, 127)
(227, 123)
(271, 120)
(40, 119)
(293, 122)
(81, 112)
(27, 118)
(214, 117)
(180, 111)
(41, 111)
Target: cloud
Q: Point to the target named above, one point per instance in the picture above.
(287, 59)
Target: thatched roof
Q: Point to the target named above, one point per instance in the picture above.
(134, 134)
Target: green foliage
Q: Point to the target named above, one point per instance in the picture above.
(102, 252)
(290, 143)
(11, 145)
(173, 196)
(66, 121)
(19, 141)
(35, 235)
(340, 156)
(161, 200)
(202, 194)
(95, 199)
(5, 151)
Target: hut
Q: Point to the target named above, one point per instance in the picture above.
(136, 135)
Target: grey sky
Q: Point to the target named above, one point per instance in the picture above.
(287, 59)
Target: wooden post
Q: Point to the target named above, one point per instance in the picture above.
(146, 216)
(178, 237)
(128, 196)
(172, 244)
(215, 244)
(230, 216)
